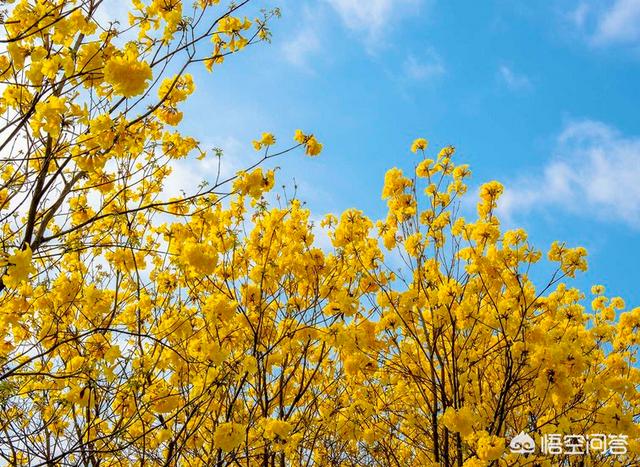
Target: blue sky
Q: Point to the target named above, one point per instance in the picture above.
(542, 96)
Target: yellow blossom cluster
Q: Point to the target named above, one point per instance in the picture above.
(311, 144)
(127, 73)
(218, 327)
(266, 140)
(245, 340)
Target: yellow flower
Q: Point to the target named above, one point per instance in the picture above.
(228, 436)
(254, 183)
(490, 447)
(230, 24)
(176, 89)
(169, 115)
(75, 364)
(275, 428)
(267, 140)
(354, 363)
(164, 435)
(313, 147)
(166, 403)
(19, 267)
(249, 365)
(489, 194)
(48, 116)
(127, 74)
(617, 303)
(447, 151)
(102, 131)
(491, 191)
(4, 196)
(419, 144)
(177, 146)
(201, 258)
(474, 462)
(570, 259)
(112, 354)
(299, 137)
(459, 421)
(232, 27)
(311, 144)
(395, 183)
(413, 244)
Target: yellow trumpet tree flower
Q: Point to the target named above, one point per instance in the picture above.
(215, 328)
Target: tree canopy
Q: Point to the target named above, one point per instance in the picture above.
(216, 329)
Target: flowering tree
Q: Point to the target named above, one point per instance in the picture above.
(212, 329)
(455, 353)
(89, 109)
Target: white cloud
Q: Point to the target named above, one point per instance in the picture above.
(514, 81)
(616, 22)
(311, 37)
(321, 234)
(594, 172)
(579, 15)
(428, 66)
(304, 44)
(372, 17)
(370, 21)
(620, 23)
(188, 174)
(114, 11)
